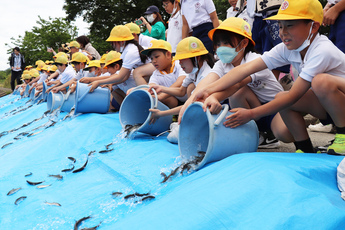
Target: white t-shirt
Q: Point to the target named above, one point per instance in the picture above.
(66, 75)
(130, 57)
(197, 12)
(43, 77)
(167, 79)
(322, 57)
(244, 15)
(264, 84)
(126, 85)
(333, 1)
(191, 78)
(174, 35)
(105, 74)
(145, 40)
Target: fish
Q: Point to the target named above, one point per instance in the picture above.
(58, 176)
(16, 138)
(67, 170)
(5, 145)
(29, 174)
(82, 168)
(19, 199)
(34, 183)
(136, 195)
(131, 129)
(53, 203)
(46, 112)
(40, 101)
(108, 145)
(23, 134)
(92, 228)
(129, 196)
(91, 152)
(43, 186)
(78, 222)
(106, 150)
(116, 194)
(72, 159)
(13, 191)
(173, 172)
(51, 125)
(147, 198)
(3, 133)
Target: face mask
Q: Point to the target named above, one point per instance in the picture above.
(174, 10)
(195, 68)
(122, 48)
(150, 18)
(306, 43)
(91, 74)
(227, 54)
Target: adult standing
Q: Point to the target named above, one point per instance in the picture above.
(17, 64)
(86, 45)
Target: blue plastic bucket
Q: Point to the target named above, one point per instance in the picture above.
(26, 92)
(16, 91)
(96, 102)
(202, 131)
(54, 100)
(69, 101)
(44, 94)
(36, 98)
(32, 94)
(135, 110)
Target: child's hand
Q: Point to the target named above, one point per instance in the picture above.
(73, 87)
(201, 95)
(93, 85)
(240, 117)
(129, 91)
(213, 104)
(155, 114)
(85, 80)
(158, 89)
(330, 15)
(56, 90)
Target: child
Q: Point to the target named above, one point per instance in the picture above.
(319, 89)
(240, 11)
(168, 73)
(174, 32)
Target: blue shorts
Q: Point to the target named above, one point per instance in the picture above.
(115, 104)
(337, 32)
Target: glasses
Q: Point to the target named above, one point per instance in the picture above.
(165, 5)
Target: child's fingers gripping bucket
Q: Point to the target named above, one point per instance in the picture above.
(69, 101)
(26, 92)
(38, 97)
(203, 132)
(32, 94)
(55, 100)
(134, 110)
(44, 94)
(96, 102)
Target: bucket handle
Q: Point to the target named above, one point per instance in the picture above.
(222, 114)
(153, 90)
(85, 93)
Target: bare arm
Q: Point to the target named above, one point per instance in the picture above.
(331, 13)
(173, 91)
(214, 19)
(113, 79)
(185, 27)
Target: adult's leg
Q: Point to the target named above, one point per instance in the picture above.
(13, 79)
(19, 74)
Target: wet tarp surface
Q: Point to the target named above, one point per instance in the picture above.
(244, 191)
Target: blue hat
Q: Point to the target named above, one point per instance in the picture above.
(152, 9)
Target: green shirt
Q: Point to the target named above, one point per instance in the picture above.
(157, 31)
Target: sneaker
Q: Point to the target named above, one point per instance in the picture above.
(299, 151)
(321, 128)
(267, 142)
(173, 135)
(338, 146)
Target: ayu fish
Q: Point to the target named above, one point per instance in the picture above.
(67, 170)
(34, 183)
(78, 222)
(19, 199)
(82, 168)
(53, 203)
(13, 191)
(58, 176)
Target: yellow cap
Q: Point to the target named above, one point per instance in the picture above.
(40, 66)
(26, 76)
(29, 67)
(79, 57)
(34, 73)
(47, 62)
(59, 54)
(26, 72)
(94, 63)
(157, 45)
(102, 60)
(52, 68)
(38, 62)
(299, 9)
(112, 56)
(134, 28)
(120, 33)
(74, 44)
(190, 47)
(235, 25)
(61, 60)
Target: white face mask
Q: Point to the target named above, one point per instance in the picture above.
(306, 42)
(195, 68)
(91, 74)
(150, 18)
(174, 10)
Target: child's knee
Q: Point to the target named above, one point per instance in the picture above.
(322, 84)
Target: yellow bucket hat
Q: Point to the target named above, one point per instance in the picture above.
(59, 54)
(94, 63)
(26, 76)
(299, 9)
(47, 62)
(40, 66)
(112, 56)
(79, 57)
(61, 60)
(157, 45)
(134, 28)
(190, 47)
(74, 44)
(102, 60)
(26, 72)
(34, 73)
(52, 68)
(235, 25)
(120, 33)
(28, 67)
(38, 62)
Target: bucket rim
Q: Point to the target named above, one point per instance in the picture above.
(53, 99)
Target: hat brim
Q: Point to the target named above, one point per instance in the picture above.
(119, 39)
(211, 33)
(149, 50)
(112, 61)
(286, 17)
(189, 55)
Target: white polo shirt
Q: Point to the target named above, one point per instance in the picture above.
(130, 57)
(197, 12)
(191, 78)
(145, 40)
(43, 77)
(126, 85)
(174, 35)
(322, 57)
(66, 75)
(81, 74)
(167, 79)
(244, 15)
(264, 84)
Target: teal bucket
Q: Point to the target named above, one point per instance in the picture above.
(69, 101)
(44, 94)
(96, 102)
(203, 131)
(135, 110)
(54, 100)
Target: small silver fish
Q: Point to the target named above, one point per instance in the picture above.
(20, 199)
(29, 174)
(5, 145)
(34, 183)
(13, 191)
(58, 176)
(43, 186)
(53, 203)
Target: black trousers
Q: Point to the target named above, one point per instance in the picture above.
(15, 75)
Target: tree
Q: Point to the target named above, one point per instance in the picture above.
(48, 33)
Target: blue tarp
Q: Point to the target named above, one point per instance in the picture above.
(244, 191)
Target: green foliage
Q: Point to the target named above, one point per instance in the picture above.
(4, 74)
(48, 33)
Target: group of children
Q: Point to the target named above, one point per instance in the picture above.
(239, 77)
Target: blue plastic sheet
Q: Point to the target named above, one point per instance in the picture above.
(244, 191)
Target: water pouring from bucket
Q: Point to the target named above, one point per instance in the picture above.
(203, 132)
(134, 111)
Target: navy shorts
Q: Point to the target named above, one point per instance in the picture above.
(337, 32)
